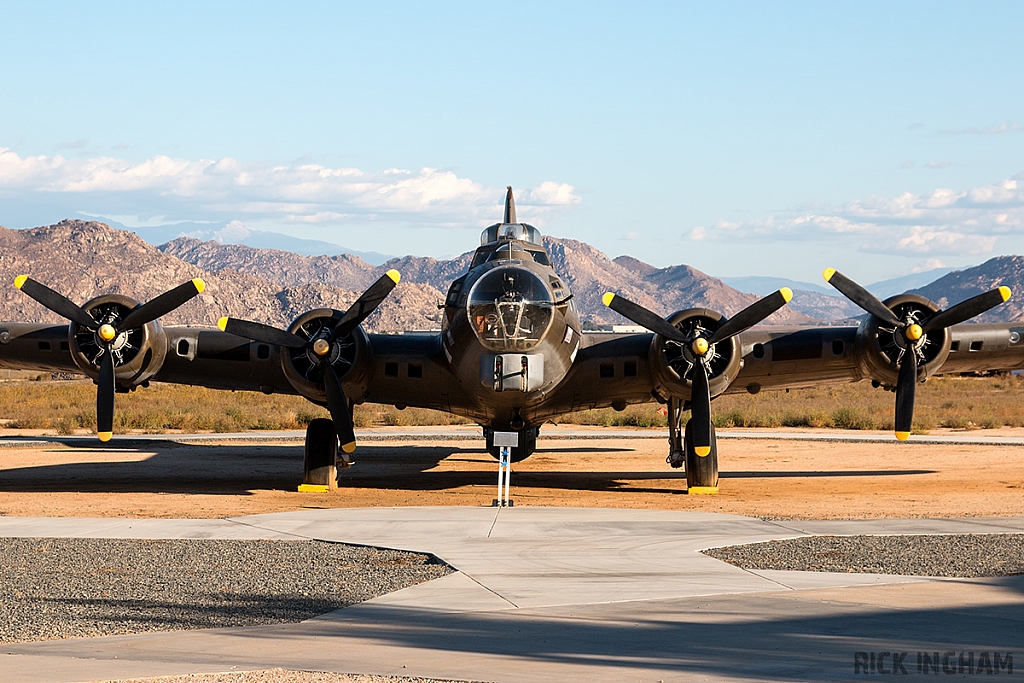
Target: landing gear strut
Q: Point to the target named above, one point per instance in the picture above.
(701, 472)
(675, 433)
(320, 456)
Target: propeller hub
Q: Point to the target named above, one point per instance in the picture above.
(699, 346)
(106, 332)
(321, 347)
(913, 332)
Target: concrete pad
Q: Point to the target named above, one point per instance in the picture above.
(79, 527)
(563, 594)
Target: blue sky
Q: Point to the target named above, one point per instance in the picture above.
(742, 139)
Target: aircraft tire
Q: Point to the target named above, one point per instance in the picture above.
(320, 455)
(701, 473)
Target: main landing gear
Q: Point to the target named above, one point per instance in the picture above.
(320, 456)
(701, 471)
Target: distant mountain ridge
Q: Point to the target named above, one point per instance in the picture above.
(83, 259)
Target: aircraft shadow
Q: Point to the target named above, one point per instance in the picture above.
(239, 469)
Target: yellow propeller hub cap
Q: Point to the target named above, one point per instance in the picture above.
(700, 346)
(106, 332)
(914, 332)
(321, 347)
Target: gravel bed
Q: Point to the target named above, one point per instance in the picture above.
(953, 555)
(282, 676)
(75, 587)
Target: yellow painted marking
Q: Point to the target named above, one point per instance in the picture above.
(787, 294)
(829, 272)
(222, 323)
(702, 451)
(607, 297)
(394, 275)
(700, 346)
(1005, 293)
(106, 332)
(200, 285)
(914, 332)
(313, 488)
(349, 447)
(702, 490)
(19, 281)
(902, 436)
(104, 436)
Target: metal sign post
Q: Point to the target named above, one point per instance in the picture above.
(505, 441)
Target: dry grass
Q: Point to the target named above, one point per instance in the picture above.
(67, 406)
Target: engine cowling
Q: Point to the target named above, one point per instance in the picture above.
(880, 347)
(347, 355)
(672, 361)
(138, 353)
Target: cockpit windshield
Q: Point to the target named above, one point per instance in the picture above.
(510, 309)
(509, 232)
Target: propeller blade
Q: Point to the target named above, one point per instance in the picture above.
(105, 397)
(337, 404)
(906, 387)
(643, 317)
(752, 315)
(965, 310)
(58, 303)
(162, 305)
(700, 409)
(261, 333)
(366, 304)
(860, 296)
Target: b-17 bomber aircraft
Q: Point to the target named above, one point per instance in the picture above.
(511, 354)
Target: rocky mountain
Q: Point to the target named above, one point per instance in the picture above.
(589, 273)
(963, 284)
(84, 259)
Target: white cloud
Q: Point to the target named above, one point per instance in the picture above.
(928, 264)
(306, 193)
(938, 164)
(942, 221)
(632, 236)
(991, 129)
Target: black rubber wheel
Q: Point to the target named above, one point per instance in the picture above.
(700, 472)
(320, 455)
(527, 445)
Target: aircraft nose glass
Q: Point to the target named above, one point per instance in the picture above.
(510, 309)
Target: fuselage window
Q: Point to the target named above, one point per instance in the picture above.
(758, 351)
(838, 347)
(415, 370)
(263, 351)
(607, 371)
(391, 369)
(183, 347)
(629, 368)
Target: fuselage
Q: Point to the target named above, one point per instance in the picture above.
(510, 330)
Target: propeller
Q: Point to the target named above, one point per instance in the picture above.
(320, 346)
(912, 335)
(702, 349)
(107, 333)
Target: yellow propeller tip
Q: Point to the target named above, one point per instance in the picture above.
(829, 272)
(787, 294)
(1005, 293)
(200, 285)
(19, 281)
(607, 298)
(394, 275)
(902, 436)
(349, 447)
(223, 323)
(104, 436)
(702, 451)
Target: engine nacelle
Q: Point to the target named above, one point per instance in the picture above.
(879, 346)
(671, 361)
(347, 355)
(138, 353)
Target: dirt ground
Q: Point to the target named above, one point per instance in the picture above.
(781, 479)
